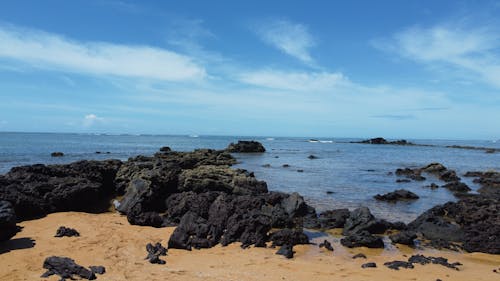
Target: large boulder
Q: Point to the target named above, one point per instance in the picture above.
(8, 226)
(333, 218)
(361, 219)
(37, 190)
(245, 147)
(362, 239)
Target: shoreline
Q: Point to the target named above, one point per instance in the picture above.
(107, 239)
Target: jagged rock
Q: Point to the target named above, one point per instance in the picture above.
(312, 157)
(8, 226)
(65, 231)
(192, 231)
(404, 237)
(368, 265)
(380, 140)
(449, 176)
(333, 218)
(327, 245)
(179, 204)
(400, 194)
(434, 168)
(396, 265)
(362, 219)
(362, 239)
(154, 253)
(37, 190)
(421, 259)
(414, 174)
(57, 154)
(286, 250)
(66, 268)
(165, 149)
(245, 147)
(288, 237)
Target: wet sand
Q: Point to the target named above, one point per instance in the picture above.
(108, 240)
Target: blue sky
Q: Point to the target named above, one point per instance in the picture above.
(412, 69)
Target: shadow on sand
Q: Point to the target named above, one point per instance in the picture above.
(16, 244)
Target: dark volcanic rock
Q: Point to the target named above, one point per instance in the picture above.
(368, 265)
(312, 157)
(327, 245)
(449, 176)
(359, 256)
(333, 218)
(414, 174)
(400, 194)
(402, 180)
(384, 141)
(404, 237)
(286, 250)
(57, 154)
(165, 149)
(421, 259)
(457, 186)
(396, 265)
(8, 226)
(97, 269)
(154, 253)
(362, 239)
(66, 268)
(66, 231)
(362, 219)
(245, 147)
(288, 237)
(37, 190)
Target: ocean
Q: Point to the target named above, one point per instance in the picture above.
(344, 175)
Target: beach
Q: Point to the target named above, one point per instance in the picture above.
(109, 240)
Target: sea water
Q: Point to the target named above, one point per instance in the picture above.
(344, 175)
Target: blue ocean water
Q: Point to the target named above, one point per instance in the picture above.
(352, 173)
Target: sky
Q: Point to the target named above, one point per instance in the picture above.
(398, 69)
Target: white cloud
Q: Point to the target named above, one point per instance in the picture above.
(90, 119)
(473, 50)
(54, 52)
(291, 38)
(295, 81)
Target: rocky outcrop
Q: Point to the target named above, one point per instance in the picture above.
(288, 237)
(384, 141)
(473, 222)
(8, 226)
(397, 195)
(489, 181)
(404, 237)
(66, 232)
(245, 147)
(57, 154)
(414, 174)
(37, 190)
(361, 219)
(362, 239)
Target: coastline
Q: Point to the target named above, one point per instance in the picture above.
(109, 240)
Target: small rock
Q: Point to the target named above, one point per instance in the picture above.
(358, 256)
(154, 253)
(266, 166)
(66, 268)
(398, 264)
(400, 194)
(327, 245)
(66, 231)
(402, 180)
(245, 147)
(285, 166)
(97, 269)
(165, 149)
(300, 171)
(57, 154)
(312, 157)
(286, 250)
(368, 264)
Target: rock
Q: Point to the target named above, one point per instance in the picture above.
(8, 226)
(165, 149)
(333, 218)
(327, 245)
(397, 195)
(36, 190)
(404, 237)
(288, 237)
(380, 140)
(362, 219)
(266, 166)
(300, 171)
(97, 269)
(414, 174)
(285, 166)
(449, 176)
(312, 157)
(457, 186)
(66, 268)
(245, 147)
(402, 180)
(286, 250)
(359, 256)
(192, 231)
(421, 259)
(362, 239)
(432, 186)
(368, 265)
(154, 253)
(396, 265)
(57, 154)
(65, 231)
(434, 168)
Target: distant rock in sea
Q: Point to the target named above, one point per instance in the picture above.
(245, 147)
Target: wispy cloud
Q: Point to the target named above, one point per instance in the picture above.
(291, 38)
(54, 52)
(473, 50)
(294, 81)
(90, 119)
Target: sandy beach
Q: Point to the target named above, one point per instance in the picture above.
(109, 240)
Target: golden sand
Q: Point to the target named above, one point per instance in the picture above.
(109, 240)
